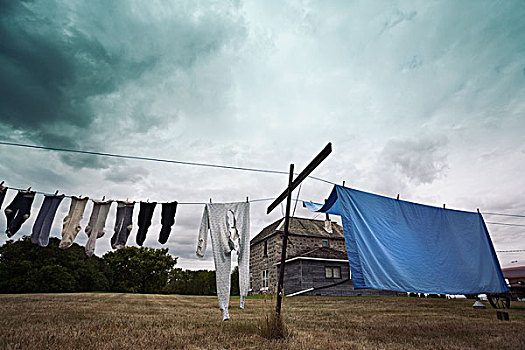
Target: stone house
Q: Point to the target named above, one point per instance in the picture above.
(316, 259)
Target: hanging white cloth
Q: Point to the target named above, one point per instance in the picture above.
(229, 227)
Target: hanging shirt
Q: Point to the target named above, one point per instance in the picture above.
(409, 247)
(229, 227)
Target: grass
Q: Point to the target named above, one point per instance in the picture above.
(139, 321)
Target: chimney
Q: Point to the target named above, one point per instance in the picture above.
(328, 224)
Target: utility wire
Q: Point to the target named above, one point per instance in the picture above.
(502, 223)
(502, 214)
(296, 200)
(511, 251)
(209, 165)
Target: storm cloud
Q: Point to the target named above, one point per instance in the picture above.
(61, 62)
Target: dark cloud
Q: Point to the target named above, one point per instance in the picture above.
(51, 73)
(57, 61)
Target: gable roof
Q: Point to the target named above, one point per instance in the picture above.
(301, 227)
(320, 253)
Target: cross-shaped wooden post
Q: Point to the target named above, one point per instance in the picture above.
(287, 193)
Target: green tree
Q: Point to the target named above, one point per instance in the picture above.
(188, 282)
(139, 270)
(26, 267)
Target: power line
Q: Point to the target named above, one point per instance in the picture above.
(502, 214)
(511, 251)
(103, 154)
(502, 223)
(296, 200)
(209, 165)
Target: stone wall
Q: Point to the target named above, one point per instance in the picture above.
(296, 244)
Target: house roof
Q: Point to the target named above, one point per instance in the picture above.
(320, 253)
(301, 227)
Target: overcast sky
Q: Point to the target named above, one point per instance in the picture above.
(421, 98)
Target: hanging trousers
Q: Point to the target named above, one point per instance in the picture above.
(229, 227)
(3, 191)
(97, 223)
(44, 220)
(123, 224)
(18, 211)
(145, 215)
(71, 226)
(167, 220)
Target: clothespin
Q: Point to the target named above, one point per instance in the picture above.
(210, 200)
(398, 196)
(56, 192)
(1, 183)
(478, 211)
(103, 198)
(443, 205)
(29, 188)
(343, 184)
(247, 199)
(147, 200)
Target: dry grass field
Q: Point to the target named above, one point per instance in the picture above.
(131, 321)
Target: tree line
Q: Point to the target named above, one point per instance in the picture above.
(28, 268)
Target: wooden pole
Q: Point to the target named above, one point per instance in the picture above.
(287, 193)
(285, 243)
(303, 175)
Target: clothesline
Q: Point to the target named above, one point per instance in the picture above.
(179, 203)
(251, 201)
(5, 143)
(503, 223)
(113, 155)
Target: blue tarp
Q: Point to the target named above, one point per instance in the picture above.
(409, 247)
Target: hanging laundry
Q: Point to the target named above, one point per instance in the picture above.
(18, 211)
(145, 215)
(3, 191)
(167, 220)
(123, 224)
(229, 227)
(44, 220)
(409, 247)
(97, 223)
(71, 226)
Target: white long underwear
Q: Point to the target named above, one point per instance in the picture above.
(229, 227)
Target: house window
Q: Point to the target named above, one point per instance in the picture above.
(337, 272)
(332, 272)
(265, 251)
(264, 278)
(325, 243)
